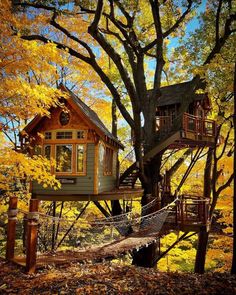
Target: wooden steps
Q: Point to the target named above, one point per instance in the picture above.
(130, 180)
(130, 176)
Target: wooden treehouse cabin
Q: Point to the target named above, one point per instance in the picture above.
(86, 153)
(178, 129)
(192, 126)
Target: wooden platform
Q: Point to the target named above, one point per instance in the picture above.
(116, 194)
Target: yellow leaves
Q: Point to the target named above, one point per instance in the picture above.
(15, 166)
(24, 99)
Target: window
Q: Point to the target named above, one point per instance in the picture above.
(48, 135)
(47, 151)
(81, 134)
(64, 118)
(64, 135)
(81, 156)
(64, 158)
(108, 161)
(38, 150)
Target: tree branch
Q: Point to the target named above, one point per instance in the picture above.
(69, 35)
(97, 69)
(97, 16)
(180, 20)
(172, 29)
(217, 25)
(225, 185)
(222, 40)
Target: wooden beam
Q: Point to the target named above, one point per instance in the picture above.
(96, 162)
(11, 228)
(32, 232)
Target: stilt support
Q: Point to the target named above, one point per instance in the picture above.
(32, 232)
(11, 228)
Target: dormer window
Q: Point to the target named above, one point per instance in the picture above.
(64, 118)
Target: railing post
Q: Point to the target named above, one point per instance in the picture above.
(11, 227)
(32, 232)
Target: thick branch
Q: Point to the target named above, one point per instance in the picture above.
(172, 29)
(222, 40)
(69, 35)
(97, 16)
(118, 62)
(217, 26)
(97, 69)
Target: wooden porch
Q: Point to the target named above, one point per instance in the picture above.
(190, 215)
(194, 131)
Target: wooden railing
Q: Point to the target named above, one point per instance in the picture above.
(190, 123)
(199, 126)
(192, 210)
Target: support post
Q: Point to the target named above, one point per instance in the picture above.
(11, 228)
(32, 232)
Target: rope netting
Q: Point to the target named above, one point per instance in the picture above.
(61, 233)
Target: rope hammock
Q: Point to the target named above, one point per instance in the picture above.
(139, 231)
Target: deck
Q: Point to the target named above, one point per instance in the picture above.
(115, 194)
(193, 131)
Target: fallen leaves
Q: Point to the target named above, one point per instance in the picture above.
(110, 278)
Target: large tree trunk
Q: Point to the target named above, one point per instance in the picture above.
(147, 256)
(203, 234)
(201, 251)
(233, 268)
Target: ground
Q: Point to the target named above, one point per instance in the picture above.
(110, 278)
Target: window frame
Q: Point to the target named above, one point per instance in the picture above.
(108, 161)
(48, 133)
(72, 157)
(44, 148)
(85, 134)
(64, 138)
(84, 172)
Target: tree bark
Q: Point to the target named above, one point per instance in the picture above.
(147, 256)
(204, 234)
(201, 251)
(233, 268)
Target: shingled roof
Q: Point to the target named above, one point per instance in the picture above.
(174, 94)
(88, 112)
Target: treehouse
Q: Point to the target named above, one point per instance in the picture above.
(85, 152)
(195, 128)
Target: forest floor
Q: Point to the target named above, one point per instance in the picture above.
(110, 278)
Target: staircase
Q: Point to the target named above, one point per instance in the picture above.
(130, 180)
(130, 176)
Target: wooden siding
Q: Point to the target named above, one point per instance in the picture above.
(82, 185)
(106, 182)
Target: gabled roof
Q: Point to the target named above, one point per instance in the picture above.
(88, 113)
(174, 94)
(91, 115)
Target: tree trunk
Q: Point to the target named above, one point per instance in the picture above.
(147, 256)
(233, 268)
(201, 251)
(203, 234)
